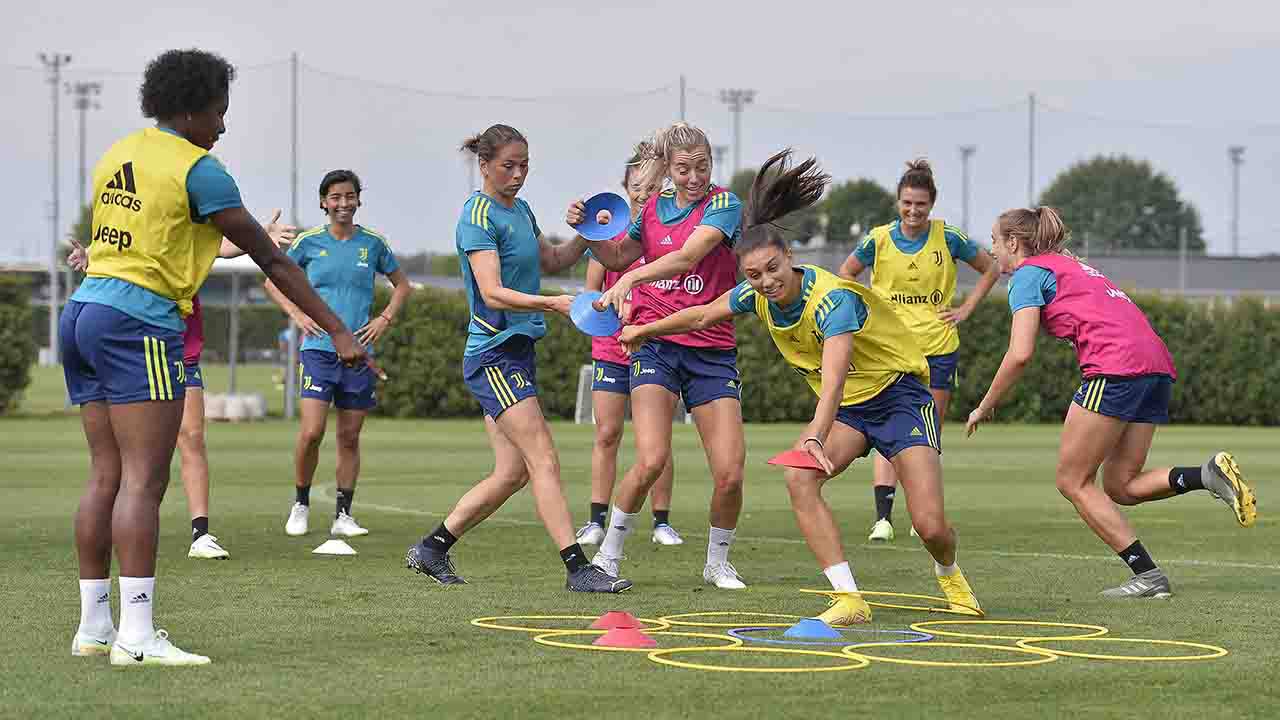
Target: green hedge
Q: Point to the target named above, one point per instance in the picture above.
(17, 341)
(1226, 359)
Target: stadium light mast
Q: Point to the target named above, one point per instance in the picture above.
(54, 62)
(1236, 154)
(966, 152)
(717, 155)
(737, 99)
(84, 94)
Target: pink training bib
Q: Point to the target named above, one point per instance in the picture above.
(193, 335)
(607, 349)
(714, 275)
(1111, 335)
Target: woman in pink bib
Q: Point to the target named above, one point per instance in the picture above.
(685, 235)
(1127, 379)
(611, 387)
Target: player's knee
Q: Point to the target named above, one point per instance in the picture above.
(1071, 485)
(1120, 496)
(932, 530)
(651, 464)
(191, 439)
(728, 481)
(349, 441)
(311, 438)
(608, 434)
(513, 479)
(801, 487)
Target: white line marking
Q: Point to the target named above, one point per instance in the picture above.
(1224, 564)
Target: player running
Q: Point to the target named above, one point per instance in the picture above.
(1127, 380)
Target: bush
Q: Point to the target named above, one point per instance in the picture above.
(1225, 358)
(17, 339)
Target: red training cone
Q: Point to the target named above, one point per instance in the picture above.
(625, 638)
(616, 620)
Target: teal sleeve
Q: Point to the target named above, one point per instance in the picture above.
(962, 248)
(842, 312)
(1031, 286)
(472, 237)
(725, 217)
(297, 252)
(210, 188)
(742, 299)
(636, 231)
(866, 252)
(387, 262)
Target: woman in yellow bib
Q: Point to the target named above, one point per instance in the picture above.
(913, 264)
(161, 206)
(865, 366)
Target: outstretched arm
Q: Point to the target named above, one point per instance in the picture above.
(698, 317)
(1022, 345)
(703, 240)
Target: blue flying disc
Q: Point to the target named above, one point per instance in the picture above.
(617, 207)
(596, 323)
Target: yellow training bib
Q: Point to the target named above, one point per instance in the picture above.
(143, 231)
(883, 348)
(919, 285)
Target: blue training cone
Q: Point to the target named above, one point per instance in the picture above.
(811, 629)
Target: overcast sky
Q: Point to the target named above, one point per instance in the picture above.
(389, 89)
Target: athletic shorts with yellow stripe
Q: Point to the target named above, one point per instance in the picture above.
(109, 355)
(502, 376)
(1141, 399)
(901, 416)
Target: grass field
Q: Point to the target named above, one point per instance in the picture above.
(294, 635)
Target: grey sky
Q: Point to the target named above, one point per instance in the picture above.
(865, 87)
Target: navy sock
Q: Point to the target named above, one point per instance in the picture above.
(440, 539)
(598, 513)
(573, 558)
(344, 501)
(1136, 557)
(884, 501)
(199, 526)
(302, 495)
(661, 517)
(1185, 479)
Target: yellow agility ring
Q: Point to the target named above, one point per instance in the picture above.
(492, 624)
(1042, 656)
(1215, 651)
(549, 638)
(673, 620)
(660, 656)
(967, 611)
(931, 627)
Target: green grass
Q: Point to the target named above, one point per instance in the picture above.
(293, 635)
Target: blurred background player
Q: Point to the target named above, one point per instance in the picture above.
(342, 261)
(162, 205)
(611, 386)
(503, 255)
(193, 454)
(862, 361)
(685, 235)
(913, 263)
(1127, 380)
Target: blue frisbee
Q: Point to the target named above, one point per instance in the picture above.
(618, 209)
(596, 323)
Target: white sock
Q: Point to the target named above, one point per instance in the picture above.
(137, 596)
(95, 608)
(718, 545)
(620, 526)
(841, 577)
(941, 570)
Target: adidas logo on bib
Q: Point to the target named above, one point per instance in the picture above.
(666, 241)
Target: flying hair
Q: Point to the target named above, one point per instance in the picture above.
(1038, 232)
(778, 190)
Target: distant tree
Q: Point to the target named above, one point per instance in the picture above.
(798, 227)
(1120, 203)
(862, 203)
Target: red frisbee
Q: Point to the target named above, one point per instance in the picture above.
(796, 459)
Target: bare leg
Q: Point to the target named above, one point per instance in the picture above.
(652, 409)
(813, 515)
(719, 424)
(146, 433)
(920, 471)
(508, 477)
(350, 423)
(306, 454)
(194, 454)
(93, 518)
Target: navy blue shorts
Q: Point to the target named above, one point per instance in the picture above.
(901, 416)
(322, 376)
(193, 378)
(108, 355)
(610, 377)
(502, 376)
(697, 375)
(1142, 399)
(944, 371)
